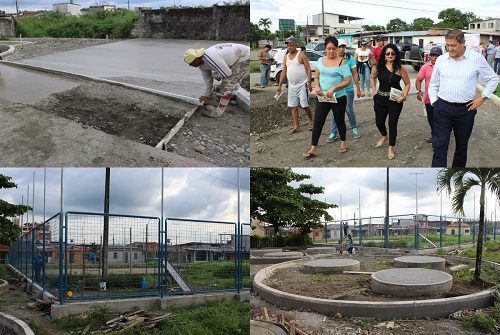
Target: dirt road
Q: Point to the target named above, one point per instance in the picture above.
(273, 147)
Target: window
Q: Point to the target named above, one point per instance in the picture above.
(115, 255)
(478, 25)
(312, 56)
(490, 25)
(135, 255)
(316, 234)
(472, 26)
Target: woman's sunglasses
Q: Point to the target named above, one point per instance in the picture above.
(390, 53)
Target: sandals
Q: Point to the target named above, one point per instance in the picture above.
(343, 150)
(293, 131)
(308, 155)
(311, 125)
(380, 143)
(390, 155)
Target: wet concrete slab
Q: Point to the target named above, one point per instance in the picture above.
(265, 328)
(152, 63)
(437, 263)
(28, 86)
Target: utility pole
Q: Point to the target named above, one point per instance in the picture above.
(386, 220)
(17, 9)
(416, 208)
(323, 22)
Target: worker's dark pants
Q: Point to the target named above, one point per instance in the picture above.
(430, 117)
(448, 117)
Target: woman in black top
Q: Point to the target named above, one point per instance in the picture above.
(390, 72)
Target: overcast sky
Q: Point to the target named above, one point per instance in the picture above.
(373, 12)
(189, 193)
(348, 182)
(10, 5)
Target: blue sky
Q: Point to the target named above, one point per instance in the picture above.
(189, 193)
(372, 11)
(370, 183)
(10, 5)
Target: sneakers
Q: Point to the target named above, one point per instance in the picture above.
(333, 137)
(356, 133)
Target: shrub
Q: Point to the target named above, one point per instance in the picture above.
(481, 322)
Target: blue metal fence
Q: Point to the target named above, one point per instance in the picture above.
(143, 258)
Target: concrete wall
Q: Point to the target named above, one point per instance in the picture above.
(7, 26)
(219, 23)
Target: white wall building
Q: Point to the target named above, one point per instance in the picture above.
(488, 25)
(67, 8)
(334, 23)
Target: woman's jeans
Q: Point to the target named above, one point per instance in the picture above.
(364, 76)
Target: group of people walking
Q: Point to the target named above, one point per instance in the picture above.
(450, 98)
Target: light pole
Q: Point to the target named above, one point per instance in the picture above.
(416, 208)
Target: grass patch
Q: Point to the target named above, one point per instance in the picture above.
(479, 321)
(38, 330)
(490, 252)
(320, 277)
(210, 318)
(465, 275)
(497, 91)
(254, 66)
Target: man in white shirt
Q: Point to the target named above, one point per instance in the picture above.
(229, 62)
(452, 92)
(297, 70)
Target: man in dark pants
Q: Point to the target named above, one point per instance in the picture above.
(452, 93)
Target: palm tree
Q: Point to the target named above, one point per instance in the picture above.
(463, 180)
(265, 23)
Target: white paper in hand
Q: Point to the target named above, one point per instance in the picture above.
(278, 95)
(324, 98)
(395, 94)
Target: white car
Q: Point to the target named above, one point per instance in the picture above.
(279, 54)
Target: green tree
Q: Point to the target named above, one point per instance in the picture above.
(397, 25)
(454, 19)
(9, 232)
(463, 181)
(276, 202)
(265, 23)
(421, 23)
(373, 27)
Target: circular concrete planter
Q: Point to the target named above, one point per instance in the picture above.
(330, 266)
(17, 326)
(321, 250)
(437, 263)
(411, 282)
(265, 328)
(435, 308)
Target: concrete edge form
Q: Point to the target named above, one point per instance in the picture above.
(190, 100)
(434, 308)
(122, 305)
(4, 286)
(9, 51)
(493, 98)
(243, 99)
(18, 326)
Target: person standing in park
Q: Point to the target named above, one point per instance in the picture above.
(452, 92)
(331, 78)
(425, 73)
(265, 65)
(345, 225)
(350, 244)
(349, 92)
(229, 62)
(297, 70)
(390, 72)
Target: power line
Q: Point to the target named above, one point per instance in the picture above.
(225, 181)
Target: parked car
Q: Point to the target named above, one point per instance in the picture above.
(411, 55)
(279, 54)
(320, 47)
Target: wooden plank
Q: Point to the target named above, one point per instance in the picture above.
(86, 330)
(133, 324)
(297, 330)
(264, 313)
(162, 144)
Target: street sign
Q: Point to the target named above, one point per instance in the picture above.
(286, 24)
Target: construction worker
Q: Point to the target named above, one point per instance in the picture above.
(229, 62)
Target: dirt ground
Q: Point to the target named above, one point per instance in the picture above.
(319, 324)
(15, 302)
(144, 117)
(273, 147)
(350, 286)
